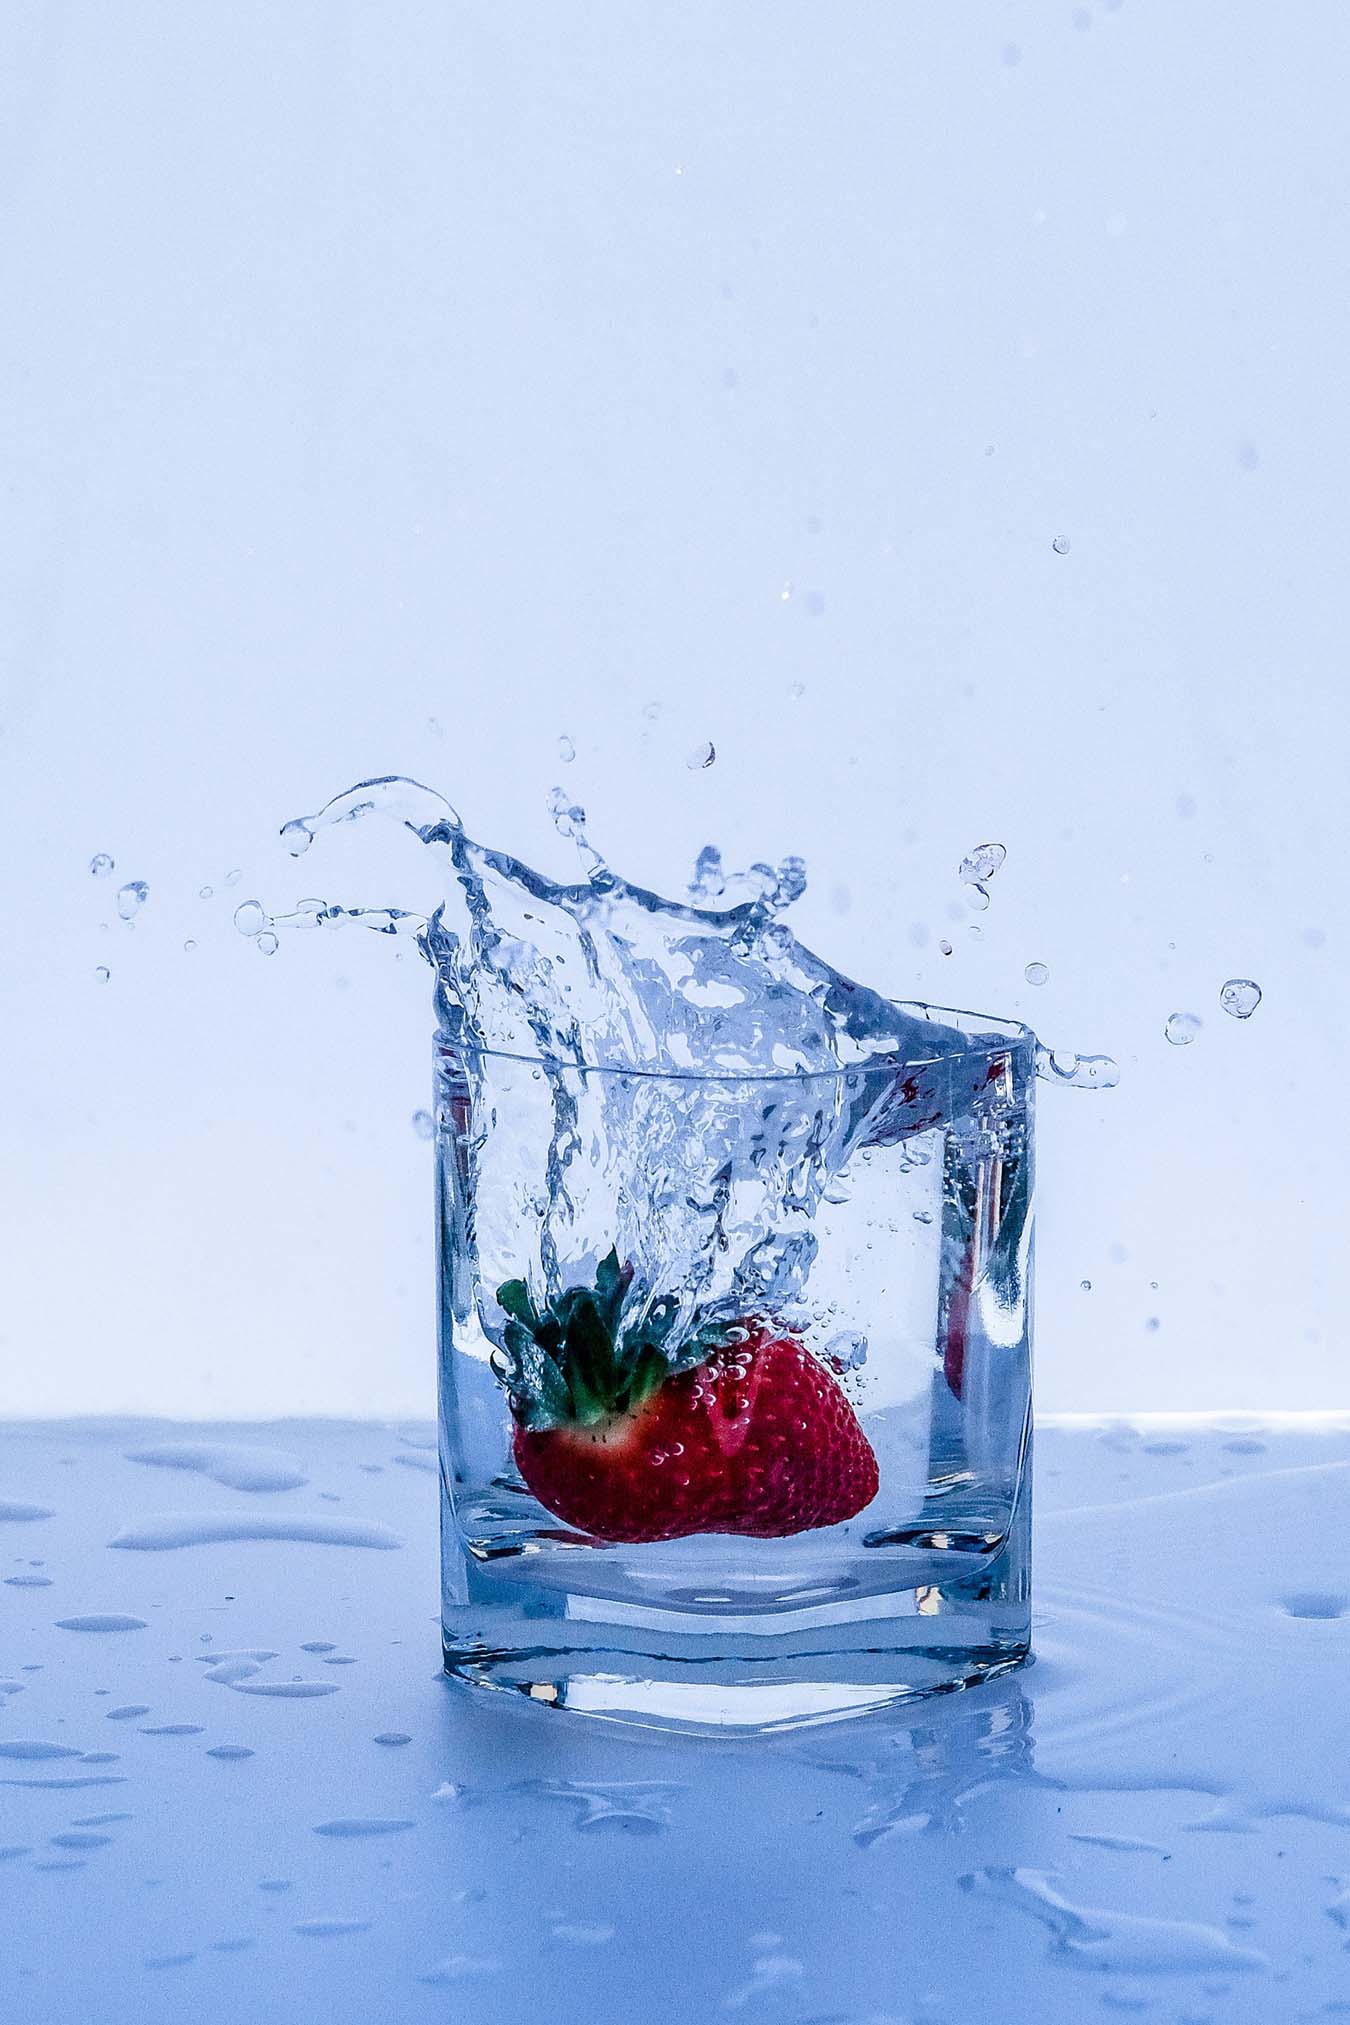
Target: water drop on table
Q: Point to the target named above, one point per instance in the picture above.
(1182, 1028)
(100, 864)
(1037, 973)
(1240, 997)
(131, 898)
(701, 756)
(1086, 1285)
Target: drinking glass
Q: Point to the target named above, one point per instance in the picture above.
(717, 1454)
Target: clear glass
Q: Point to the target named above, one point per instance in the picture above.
(914, 1314)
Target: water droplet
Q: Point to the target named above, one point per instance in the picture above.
(945, 947)
(1060, 544)
(1086, 1285)
(131, 898)
(981, 864)
(701, 756)
(1315, 1604)
(189, 945)
(1182, 1028)
(238, 1465)
(393, 1737)
(250, 917)
(424, 1125)
(1240, 997)
(233, 878)
(1037, 973)
(229, 1752)
(567, 751)
(205, 892)
(103, 973)
(297, 836)
(651, 712)
(105, 1621)
(267, 943)
(101, 864)
(709, 880)
(204, 1529)
(923, 1216)
(328, 1929)
(785, 594)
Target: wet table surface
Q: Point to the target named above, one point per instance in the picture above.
(234, 1785)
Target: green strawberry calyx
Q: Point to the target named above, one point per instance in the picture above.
(580, 1360)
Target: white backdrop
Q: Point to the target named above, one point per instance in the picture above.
(399, 387)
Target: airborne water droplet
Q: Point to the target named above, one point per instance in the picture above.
(100, 864)
(1240, 997)
(250, 918)
(1080, 1072)
(1060, 544)
(103, 973)
(567, 751)
(981, 864)
(297, 836)
(1036, 973)
(1182, 1028)
(424, 1125)
(702, 756)
(131, 898)
(267, 943)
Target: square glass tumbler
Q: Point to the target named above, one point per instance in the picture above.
(735, 1380)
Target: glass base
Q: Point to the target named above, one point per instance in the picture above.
(652, 1668)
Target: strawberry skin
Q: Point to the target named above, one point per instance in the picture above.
(758, 1439)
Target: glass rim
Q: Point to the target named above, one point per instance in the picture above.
(992, 1036)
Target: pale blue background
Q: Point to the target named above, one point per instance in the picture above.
(364, 366)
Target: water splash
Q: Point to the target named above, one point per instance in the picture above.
(1079, 1072)
(1240, 997)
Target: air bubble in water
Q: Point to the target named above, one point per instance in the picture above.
(424, 1125)
(267, 943)
(100, 864)
(1240, 997)
(297, 836)
(567, 751)
(1080, 1072)
(702, 756)
(250, 918)
(980, 865)
(131, 898)
(1182, 1028)
(1060, 544)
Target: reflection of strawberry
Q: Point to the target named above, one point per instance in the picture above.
(620, 1441)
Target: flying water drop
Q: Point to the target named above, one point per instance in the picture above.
(424, 1125)
(701, 756)
(1080, 1072)
(1240, 997)
(131, 898)
(100, 864)
(567, 751)
(1182, 1028)
(1037, 973)
(980, 865)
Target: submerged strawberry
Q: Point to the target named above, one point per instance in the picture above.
(625, 1442)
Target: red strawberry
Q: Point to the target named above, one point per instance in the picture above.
(756, 1438)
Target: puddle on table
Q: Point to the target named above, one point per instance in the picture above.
(237, 1465)
(209, 1529)
(1094, 1937)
